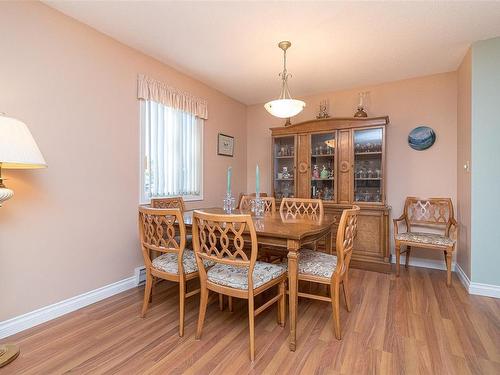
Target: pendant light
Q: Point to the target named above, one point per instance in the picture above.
(284, 106)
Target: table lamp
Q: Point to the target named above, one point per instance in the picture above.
(18, 150)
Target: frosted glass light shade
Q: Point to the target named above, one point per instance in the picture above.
(284, 108)
(18, 149)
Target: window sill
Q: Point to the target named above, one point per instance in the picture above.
(185, 198)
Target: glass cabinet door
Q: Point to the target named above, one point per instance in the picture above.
(368, 172)
(284, 162)
(323, 166)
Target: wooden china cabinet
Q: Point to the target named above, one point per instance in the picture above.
(342, 162)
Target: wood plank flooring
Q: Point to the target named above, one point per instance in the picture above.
(410, 325)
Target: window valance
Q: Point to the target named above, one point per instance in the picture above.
(151, 89)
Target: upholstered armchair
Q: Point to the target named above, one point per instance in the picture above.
(419, 214)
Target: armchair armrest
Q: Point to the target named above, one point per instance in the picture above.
(396, 221)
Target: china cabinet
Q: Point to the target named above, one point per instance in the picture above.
(342, 162)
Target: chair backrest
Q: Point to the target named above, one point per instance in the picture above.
(269, 203)
(172, 202)
(162, 230)
(219, 238)
(301, 208)
(249, 195)
(346, 233)
(429, 212)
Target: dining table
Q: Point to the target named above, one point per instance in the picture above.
(287, 233)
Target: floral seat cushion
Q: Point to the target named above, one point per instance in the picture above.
(316, 263)
(425, 238)
(168, 262)
(237, 277)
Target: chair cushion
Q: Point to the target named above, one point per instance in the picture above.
(237, 277)
(425, 238)
(168, 262)
(316, 263)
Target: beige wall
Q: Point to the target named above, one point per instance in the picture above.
(427, 101)
(463, 157)
(72, 227)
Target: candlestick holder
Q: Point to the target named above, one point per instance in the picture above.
(258, 207)
(229, 203)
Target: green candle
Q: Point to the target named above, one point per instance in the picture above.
(229, 170)
(257, 181)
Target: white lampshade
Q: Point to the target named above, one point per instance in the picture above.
(18, 149)
(285, 108)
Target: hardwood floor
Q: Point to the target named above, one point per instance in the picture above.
(410, 325)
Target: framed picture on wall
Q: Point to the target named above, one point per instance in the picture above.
(225, 145)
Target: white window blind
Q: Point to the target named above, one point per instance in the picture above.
(172, 142)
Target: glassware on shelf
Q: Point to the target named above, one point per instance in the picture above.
(328, 194)
(315, 172)
(286, 190)
(324, 173)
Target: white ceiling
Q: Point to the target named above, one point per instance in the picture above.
(232, 46)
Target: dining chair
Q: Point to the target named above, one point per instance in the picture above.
(158, 233)
(302, 208)
(247, 200)
(268, 253)
(171, 202)
(250, 195)
(219, 239)
(332, 270)
(423, 214)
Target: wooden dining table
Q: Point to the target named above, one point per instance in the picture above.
(289, 234)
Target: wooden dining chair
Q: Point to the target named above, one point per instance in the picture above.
(249, 195)
(158, 233)
(269, 203)
(171, 202)
(302, 208)
(332, 270)
(268, 253)
(219, 239)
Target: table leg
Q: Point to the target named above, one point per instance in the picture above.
(293, 286)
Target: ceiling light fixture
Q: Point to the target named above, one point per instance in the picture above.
(284, 106)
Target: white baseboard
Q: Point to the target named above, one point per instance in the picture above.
(486, 290)
(463, 278)
(426, 263)
(44, 314)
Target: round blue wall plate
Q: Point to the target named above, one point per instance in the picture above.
(421, 138)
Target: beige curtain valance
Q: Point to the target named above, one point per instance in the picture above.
(151, 89)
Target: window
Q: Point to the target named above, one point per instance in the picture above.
(172, 152)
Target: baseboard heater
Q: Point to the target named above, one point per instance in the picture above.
(140, 275)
